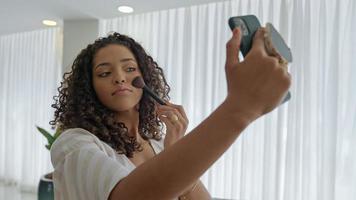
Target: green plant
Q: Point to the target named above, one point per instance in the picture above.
(50, 138)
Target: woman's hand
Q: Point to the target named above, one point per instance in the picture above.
(256, 85)
(176, 121)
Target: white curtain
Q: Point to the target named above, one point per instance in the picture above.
(306, 149)
(30, 73)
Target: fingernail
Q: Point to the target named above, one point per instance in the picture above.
(240, 33)
(236, 31)
(263, 29)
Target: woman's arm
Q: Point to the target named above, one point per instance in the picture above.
(168, 174)
(197, 191)
(255, 87)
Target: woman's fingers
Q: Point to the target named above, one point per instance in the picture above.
(166, 121)
(232, 49)
(178, 110)
(258, 44)
(175, 128)
(174, 117)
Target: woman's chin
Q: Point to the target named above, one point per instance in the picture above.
(124, 108)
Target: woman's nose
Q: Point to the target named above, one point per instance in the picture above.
(118, 81)
(119, 78)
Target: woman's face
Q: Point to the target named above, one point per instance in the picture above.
(114, 68)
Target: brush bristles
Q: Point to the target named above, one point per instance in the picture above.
(138, 82)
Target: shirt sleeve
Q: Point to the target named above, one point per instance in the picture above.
(83, 169)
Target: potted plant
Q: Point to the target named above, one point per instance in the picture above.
(45, 187)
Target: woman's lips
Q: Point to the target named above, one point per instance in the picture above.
(122, 91)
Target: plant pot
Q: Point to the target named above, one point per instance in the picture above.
(45, 188)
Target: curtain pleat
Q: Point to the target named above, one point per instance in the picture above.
(31, 70)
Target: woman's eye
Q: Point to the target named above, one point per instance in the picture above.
(131, 69)
(104, 74)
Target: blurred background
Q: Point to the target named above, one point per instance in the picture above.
(304, 150)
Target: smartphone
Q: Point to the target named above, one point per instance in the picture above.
(249, 24)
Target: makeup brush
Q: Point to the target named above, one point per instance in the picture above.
(139, 83)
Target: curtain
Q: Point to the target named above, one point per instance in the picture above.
(30, 73)
(305, 149)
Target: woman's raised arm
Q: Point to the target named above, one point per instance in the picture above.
(255, 87)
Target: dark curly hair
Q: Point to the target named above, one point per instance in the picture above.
(77, 105)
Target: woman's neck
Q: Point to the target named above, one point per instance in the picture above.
(131, 120)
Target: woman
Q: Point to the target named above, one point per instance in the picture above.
(112, 146)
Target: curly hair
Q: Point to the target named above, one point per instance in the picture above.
(77, 105)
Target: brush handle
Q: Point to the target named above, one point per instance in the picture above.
(153, 95)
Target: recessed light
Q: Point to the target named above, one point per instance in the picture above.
(125, 9)
(49, 23)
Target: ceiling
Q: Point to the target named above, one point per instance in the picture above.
(27, 15)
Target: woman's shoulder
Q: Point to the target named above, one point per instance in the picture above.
(75, 139)
(83, 162)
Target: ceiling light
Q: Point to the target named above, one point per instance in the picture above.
(49, 23)
(125, 9)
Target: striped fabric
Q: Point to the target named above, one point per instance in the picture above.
(87, 168)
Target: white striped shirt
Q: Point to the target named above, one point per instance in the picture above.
(87, 168)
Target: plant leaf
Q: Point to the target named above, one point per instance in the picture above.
(58, 131)
(45, 133)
